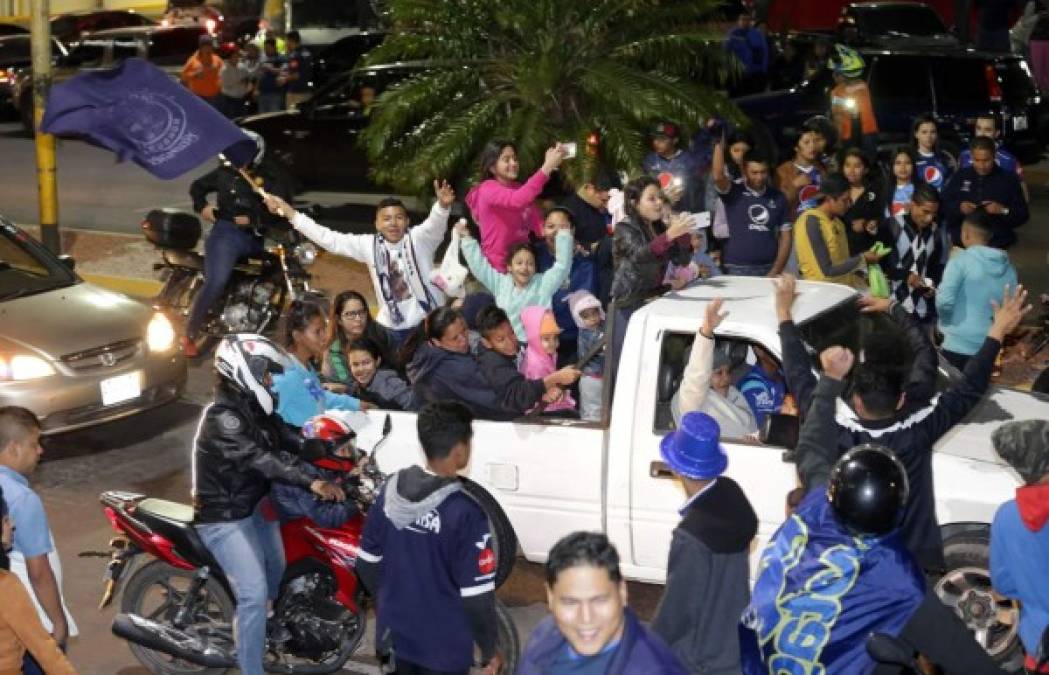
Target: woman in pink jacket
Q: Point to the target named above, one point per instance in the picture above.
(501, 206)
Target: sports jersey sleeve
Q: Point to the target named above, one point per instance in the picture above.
(369, 555)
(474, 563)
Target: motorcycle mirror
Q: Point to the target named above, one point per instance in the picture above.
(387, 426)
(885, 648)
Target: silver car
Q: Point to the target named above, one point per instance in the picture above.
(73, 353)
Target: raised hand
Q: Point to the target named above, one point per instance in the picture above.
(836, 362)
(444, 192)
(1007, 316)
(712, 318)
(785, 293)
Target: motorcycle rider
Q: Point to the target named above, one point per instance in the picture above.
(240, 447)
(838, 570)
(239, 218)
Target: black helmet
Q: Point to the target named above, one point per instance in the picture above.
(867, 489)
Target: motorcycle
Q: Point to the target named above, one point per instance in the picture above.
(177, 610)
(257, 291)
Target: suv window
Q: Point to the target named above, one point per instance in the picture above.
(899, 78)
(1016, 80)
(918, 20)
(172, 47)
(960, 81)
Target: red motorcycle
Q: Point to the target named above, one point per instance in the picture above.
(177, 610)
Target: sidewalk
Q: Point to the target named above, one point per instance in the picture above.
(124, 263)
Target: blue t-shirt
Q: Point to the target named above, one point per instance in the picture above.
(763, 394)
(755, 221)
(570, 663)
(32, 534)
(934, 169)
(684, 165)
(427, 568)
(901, 199)
(300, 62)
(808, 195)
(267, 80)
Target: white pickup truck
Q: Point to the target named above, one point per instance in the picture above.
(554, 476)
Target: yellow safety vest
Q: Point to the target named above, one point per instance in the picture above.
(836, 240)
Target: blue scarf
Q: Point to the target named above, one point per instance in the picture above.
(821, 591)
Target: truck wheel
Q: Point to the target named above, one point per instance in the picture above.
(508, 642)
(1041, 383)
(504, 541)
(966, 589)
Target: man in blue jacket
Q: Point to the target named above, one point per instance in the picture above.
(591, 630)
(988, 188)
(749, 45)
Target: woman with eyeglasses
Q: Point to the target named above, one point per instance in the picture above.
(351, 320)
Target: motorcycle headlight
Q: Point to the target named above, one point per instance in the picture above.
(160, 334)
(17, 367)
(305, 253)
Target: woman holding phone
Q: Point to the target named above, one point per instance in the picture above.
(503, 207)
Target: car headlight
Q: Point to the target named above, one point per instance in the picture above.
(305, 253)
(160, 335)
(17, 367)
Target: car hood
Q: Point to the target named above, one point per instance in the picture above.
(972, 438)
(71, 319)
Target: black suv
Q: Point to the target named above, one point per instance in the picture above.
(894, 24)
(955, 86)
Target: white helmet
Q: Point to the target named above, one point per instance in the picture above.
(244, 359)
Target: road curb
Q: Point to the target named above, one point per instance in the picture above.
(139, 288)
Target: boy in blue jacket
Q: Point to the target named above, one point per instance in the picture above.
(1019, 536)
(973, 284)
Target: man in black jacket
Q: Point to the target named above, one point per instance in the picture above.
(931, 628)
(707, 573)
(986, 187)
(498, 361)
(882, 413)
(241, 445)
(239, 219)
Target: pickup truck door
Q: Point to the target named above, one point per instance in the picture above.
(656, 495)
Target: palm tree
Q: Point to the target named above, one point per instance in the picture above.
(598, 72)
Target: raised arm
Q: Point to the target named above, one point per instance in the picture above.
(430, 232)
(797, 366)
(817, 449)
(722, 183)
(551, 280)
(478, 264)
(695, 381)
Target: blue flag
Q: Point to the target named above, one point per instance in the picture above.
(137, 111)
(821, 592)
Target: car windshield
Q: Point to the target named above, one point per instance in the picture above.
(26, 267)
(916, 20)
(845, 325)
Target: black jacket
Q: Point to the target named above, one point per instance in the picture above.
(998, 186)
(236, 197)
(910, 434)
(640, 255)
(933, 629)
(708, 580)
(239, 450)
(437, 374)
(517, 393)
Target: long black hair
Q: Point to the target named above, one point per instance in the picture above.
(632, 197)
(433, 327)
(490, 155)
(299, 315)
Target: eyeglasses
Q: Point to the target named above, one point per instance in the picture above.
(355, 314)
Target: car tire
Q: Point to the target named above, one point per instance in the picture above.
(508, 642)
(1041, 383)
(966, 589)
(503, 536)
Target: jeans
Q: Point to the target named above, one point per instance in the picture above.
(252, 558)
(590, 393)
(271, 101)
(226, 244)
(747, 270)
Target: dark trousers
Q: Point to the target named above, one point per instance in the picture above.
(226, 244)
(955, 359)
(30, 666)
(409, 668)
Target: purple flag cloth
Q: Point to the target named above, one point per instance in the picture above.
(139, 112)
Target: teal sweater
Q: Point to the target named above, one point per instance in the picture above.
(539, 291)
(973, 278)
(300, 395)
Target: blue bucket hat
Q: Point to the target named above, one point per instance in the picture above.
(693, 451)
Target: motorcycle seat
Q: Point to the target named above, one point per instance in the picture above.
(174, 521)
(190, 259)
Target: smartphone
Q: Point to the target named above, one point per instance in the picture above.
(570, 149)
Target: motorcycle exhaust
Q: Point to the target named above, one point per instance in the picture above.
(172, 641)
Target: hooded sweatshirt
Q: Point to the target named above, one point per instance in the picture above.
(973, 278)
(537, 364)
(437, 374)
(506, 214)
(432, 543)
(708, 579)
(1019, 549)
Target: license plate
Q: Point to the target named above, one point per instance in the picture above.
(1020, 123)
(121, 388)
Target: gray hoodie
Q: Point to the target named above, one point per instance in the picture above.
(412, 493)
